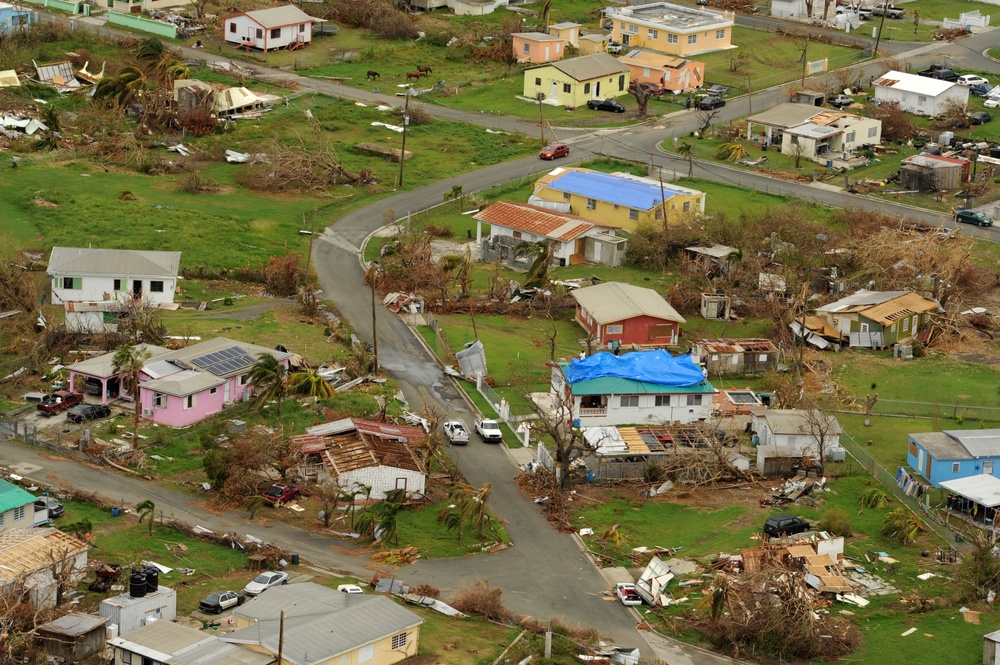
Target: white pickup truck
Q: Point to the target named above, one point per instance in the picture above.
(456, 433)
(489, 431)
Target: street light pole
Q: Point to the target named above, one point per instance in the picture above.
(402, 152)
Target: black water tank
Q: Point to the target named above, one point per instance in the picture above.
(152, 579)
(137, 584)
(995, 152)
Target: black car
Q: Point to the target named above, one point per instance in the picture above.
(47, 503)
(980, 118)
(709, 103)
(785, 525)
(217, 601)
(606, 105)
(941, 74)
(85, 412)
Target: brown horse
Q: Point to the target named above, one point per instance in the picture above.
(414, 75)
(372, 75)
(424, 69)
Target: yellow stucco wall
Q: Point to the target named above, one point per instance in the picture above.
(660, 39)
(383, 653)
(556, 85)
(619, 215)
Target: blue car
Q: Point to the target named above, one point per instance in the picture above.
(980, 89)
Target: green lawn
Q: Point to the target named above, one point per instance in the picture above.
(421, 528)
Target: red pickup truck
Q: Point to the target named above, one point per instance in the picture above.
(57, 401)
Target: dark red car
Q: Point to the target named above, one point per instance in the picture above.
(57, 401)
(279, 494)
(554, 151)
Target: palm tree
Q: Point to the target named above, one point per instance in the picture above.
(127, 364)
(456, 193)
(382, 519)
(471, 509)
(731, 152)
(538, 273)
(267, 377)
(123, 87)
(150, 50)
(686, 150)
(146, 510)
(310, 384)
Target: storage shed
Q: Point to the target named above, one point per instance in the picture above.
(778, 461)
(72, 638)
(931, 172)
(130, 612)
(991, 648)
(735, 356)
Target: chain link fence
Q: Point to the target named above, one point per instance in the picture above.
(903, 408)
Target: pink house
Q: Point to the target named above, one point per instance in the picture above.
(185, 386)
(537, 47)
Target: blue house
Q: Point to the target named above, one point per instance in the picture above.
(12, 17)
(949, 455)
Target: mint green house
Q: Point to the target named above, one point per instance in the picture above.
(879, 319)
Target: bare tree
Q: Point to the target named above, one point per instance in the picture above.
(558, 426)
(821, 427)
(706, 119)
(642, 96)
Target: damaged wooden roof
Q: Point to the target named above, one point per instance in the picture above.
(350, 452)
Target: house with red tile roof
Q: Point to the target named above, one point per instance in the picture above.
(573, 239)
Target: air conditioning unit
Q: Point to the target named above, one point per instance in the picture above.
(147, 412)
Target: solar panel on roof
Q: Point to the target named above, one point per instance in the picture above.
(225, 361)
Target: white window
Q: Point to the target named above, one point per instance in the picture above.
(662, 400)
(366, 653)
(160, 400)
(591, 204)
(955, 467)
(244, 378)
(302, 28)
(687, 206)
(628, 400)
(633, 213)
(399, 641)
(864, 327)
(653, 34)
(906, 324)
(633, 29)
(892, 328)
(694, 400)
(622, 25)
(762, 358)
(988, 467)
(692, 39)
(850, 137)
(921, 99)
(613, 329)
(720, 34)
(736, 359)
(189, 402)
(126, 656)
(645, 70)
(715, 356)
(872, 132)
(527, 49)
(671, 39)
(19, 513)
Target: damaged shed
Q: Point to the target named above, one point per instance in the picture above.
(735, 356)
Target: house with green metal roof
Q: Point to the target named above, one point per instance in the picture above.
(17, 507)
(640, 388)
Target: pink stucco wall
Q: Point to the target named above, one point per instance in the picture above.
(175, 415)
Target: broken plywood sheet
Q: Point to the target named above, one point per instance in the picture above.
(382, 151)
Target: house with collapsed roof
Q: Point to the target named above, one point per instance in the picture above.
(674, 29)
(722, 356)
(356, 452)
(954, 454)
(670, 72)
(41, 563)
(271, 29)
(878, 319)
(311, 624)
(224, 101)
(573, 239)
(93, 285)
(621, 199)
(643, 387)
(814, 133)
(919, 94)
(616, 314)
(184, 386)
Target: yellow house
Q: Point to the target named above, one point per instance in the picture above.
(594, 43)
(673, 29)
(618, 199)
(324, 626)
(568, 31)
(575, 81)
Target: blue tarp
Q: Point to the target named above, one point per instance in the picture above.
(650, 366)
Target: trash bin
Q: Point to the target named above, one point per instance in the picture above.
(114, 511)
(295, 559)
(590, 476)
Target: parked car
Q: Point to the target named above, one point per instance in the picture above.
(606, 105)
(709, 103)
(939, 72)
(718, 90)
(980, 89)
(278, 494)
(350, 588)
(47, 503)
(217, 601)
(265, 581)
(456, 432)
(84, 412)
(627, 594)
(615, 48)
(554, 151)
(651, 88)
(980, 118)
(840, 101)
(785, 525)
(972, 79)
(992, 102)
(890, 10)
(57, 401)
(92, 387)
(489, 431)
(973, 217)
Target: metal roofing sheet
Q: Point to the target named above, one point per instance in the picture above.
(940, 446)
(539, 221)
(979, 442)
(628, 192)
(276, 17)
(921, 85)
(616, 301)
(588, 67)
(116, 262)
(983, 488)
(12, 496)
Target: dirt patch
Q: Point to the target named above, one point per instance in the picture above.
(42, 203)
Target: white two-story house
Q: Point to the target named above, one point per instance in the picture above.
(639, 388)
(92, 284)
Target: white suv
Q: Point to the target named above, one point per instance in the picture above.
(972, 79)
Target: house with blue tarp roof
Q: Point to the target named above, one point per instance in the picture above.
(619, 199)
(639, 388)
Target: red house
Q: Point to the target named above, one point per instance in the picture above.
(617, 314)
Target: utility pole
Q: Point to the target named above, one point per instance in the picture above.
(372, 279)
(281, 635)
(749, 95)
(805, 60)
(402, 152)
(878, 37)
(541, 119)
